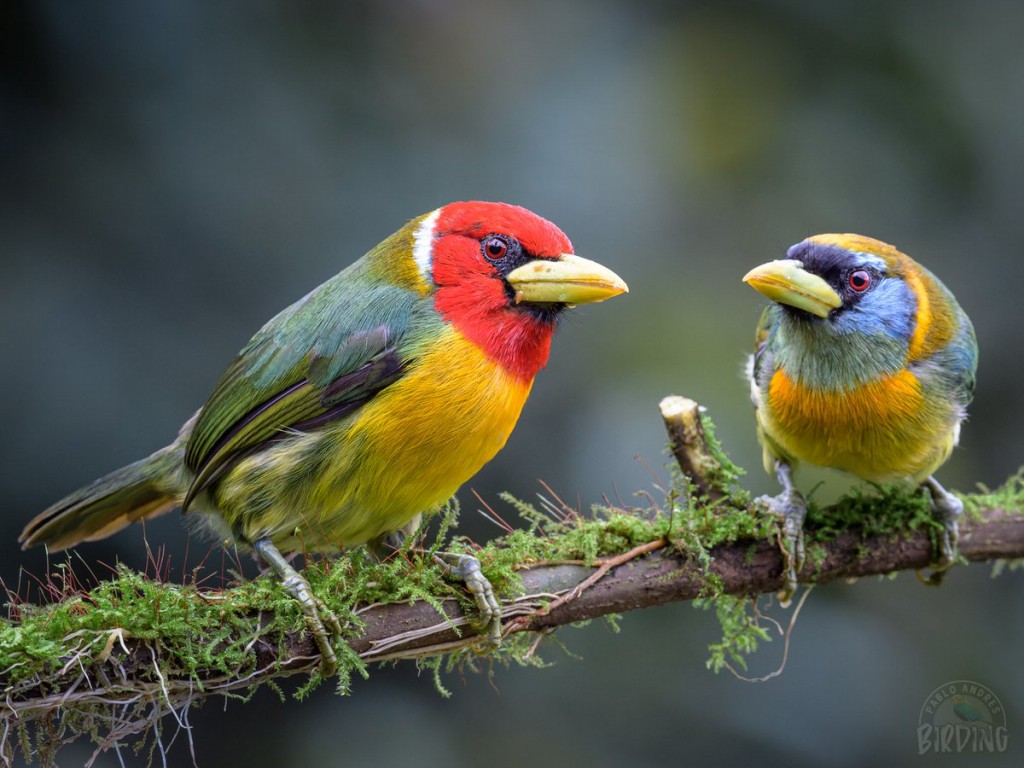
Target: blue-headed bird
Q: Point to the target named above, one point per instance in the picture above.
(865, 363)
(365, 403)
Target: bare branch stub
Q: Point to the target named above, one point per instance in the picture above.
(685, 428)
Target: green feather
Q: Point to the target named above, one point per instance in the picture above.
(138, 491)
(318, 359)
(819, 358)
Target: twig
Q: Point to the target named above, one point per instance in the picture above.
(603, 566)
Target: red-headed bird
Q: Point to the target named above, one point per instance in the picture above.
(864, 363)
(364, 404)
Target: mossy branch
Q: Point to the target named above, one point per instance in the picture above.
(114, 661)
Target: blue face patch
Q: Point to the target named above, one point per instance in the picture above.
(888, 307)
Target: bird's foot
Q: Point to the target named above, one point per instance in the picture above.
(790, 508)
(466, 569)
(947, 509)
(321, 622)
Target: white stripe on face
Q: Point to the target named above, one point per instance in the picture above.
(423, 246)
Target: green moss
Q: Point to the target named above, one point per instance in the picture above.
(1009, 496)
(742, 630)
(725, 475)
(873, 510)
(560, 536)
(999, 566)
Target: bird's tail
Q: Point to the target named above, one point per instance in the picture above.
(142, 490)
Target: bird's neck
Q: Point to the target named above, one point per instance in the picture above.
(821, 356)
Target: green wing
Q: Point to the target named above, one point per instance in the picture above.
(317, 361)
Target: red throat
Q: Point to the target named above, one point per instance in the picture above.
(518, 340)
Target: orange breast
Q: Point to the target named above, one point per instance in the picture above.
(881, 431)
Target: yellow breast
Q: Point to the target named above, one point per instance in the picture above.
(881, 431)
(403, 453)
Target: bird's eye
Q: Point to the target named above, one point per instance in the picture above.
(860, 280)
(495, 248)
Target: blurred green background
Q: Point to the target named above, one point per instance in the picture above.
(173, 174)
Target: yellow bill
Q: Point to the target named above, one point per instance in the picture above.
(787, 282)
(569, 280)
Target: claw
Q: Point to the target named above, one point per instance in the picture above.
(947, 509)
(466, 569)
(323, 625)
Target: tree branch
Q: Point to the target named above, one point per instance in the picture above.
(552, 595)
(656, 574)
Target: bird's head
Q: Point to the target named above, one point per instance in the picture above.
(502, 275)
(846, 283)
(499, 256)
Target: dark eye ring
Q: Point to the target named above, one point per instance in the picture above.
(495, 248)
(860, 280)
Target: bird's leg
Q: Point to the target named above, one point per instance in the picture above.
(466, 569)
(947, 508)
(790, 508)
(321, 622)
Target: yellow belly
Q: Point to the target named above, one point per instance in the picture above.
(403, 453)
(882, 431)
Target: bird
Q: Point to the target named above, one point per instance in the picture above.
(968, 713)
(363, 405)
(864, 362)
